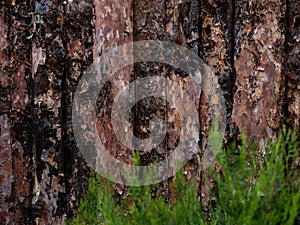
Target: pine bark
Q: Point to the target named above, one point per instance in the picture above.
(46, 46)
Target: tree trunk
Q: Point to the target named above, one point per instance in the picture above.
(46, 46)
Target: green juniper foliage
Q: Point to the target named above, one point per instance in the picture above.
(259, 187)
(251, 187)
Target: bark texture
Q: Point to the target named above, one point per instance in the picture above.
(259, 66)
(253, 47)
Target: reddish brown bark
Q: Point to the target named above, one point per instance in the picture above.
(216, 49)
(6, 174)
(113, 27)
(176, 22)
(259, 65)
(18, 53)
(150, 24)
(46, 46)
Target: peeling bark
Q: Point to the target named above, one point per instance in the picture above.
(177, 22)
(149, 24)
(292, 66)
(46, 46)
(48, 56)
(113, 27)
(19, 22)
(78, 41)
(260, 38)
(6, 169)
(216, 49)
(6, 175)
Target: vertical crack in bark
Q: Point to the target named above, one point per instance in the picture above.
(217, 43)
(77, 41)
(67, 155)
(232, 32)
(286, 49)
(291, 66)
(199, 53)
(230, 127)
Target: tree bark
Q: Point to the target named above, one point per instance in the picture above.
(46, 46)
